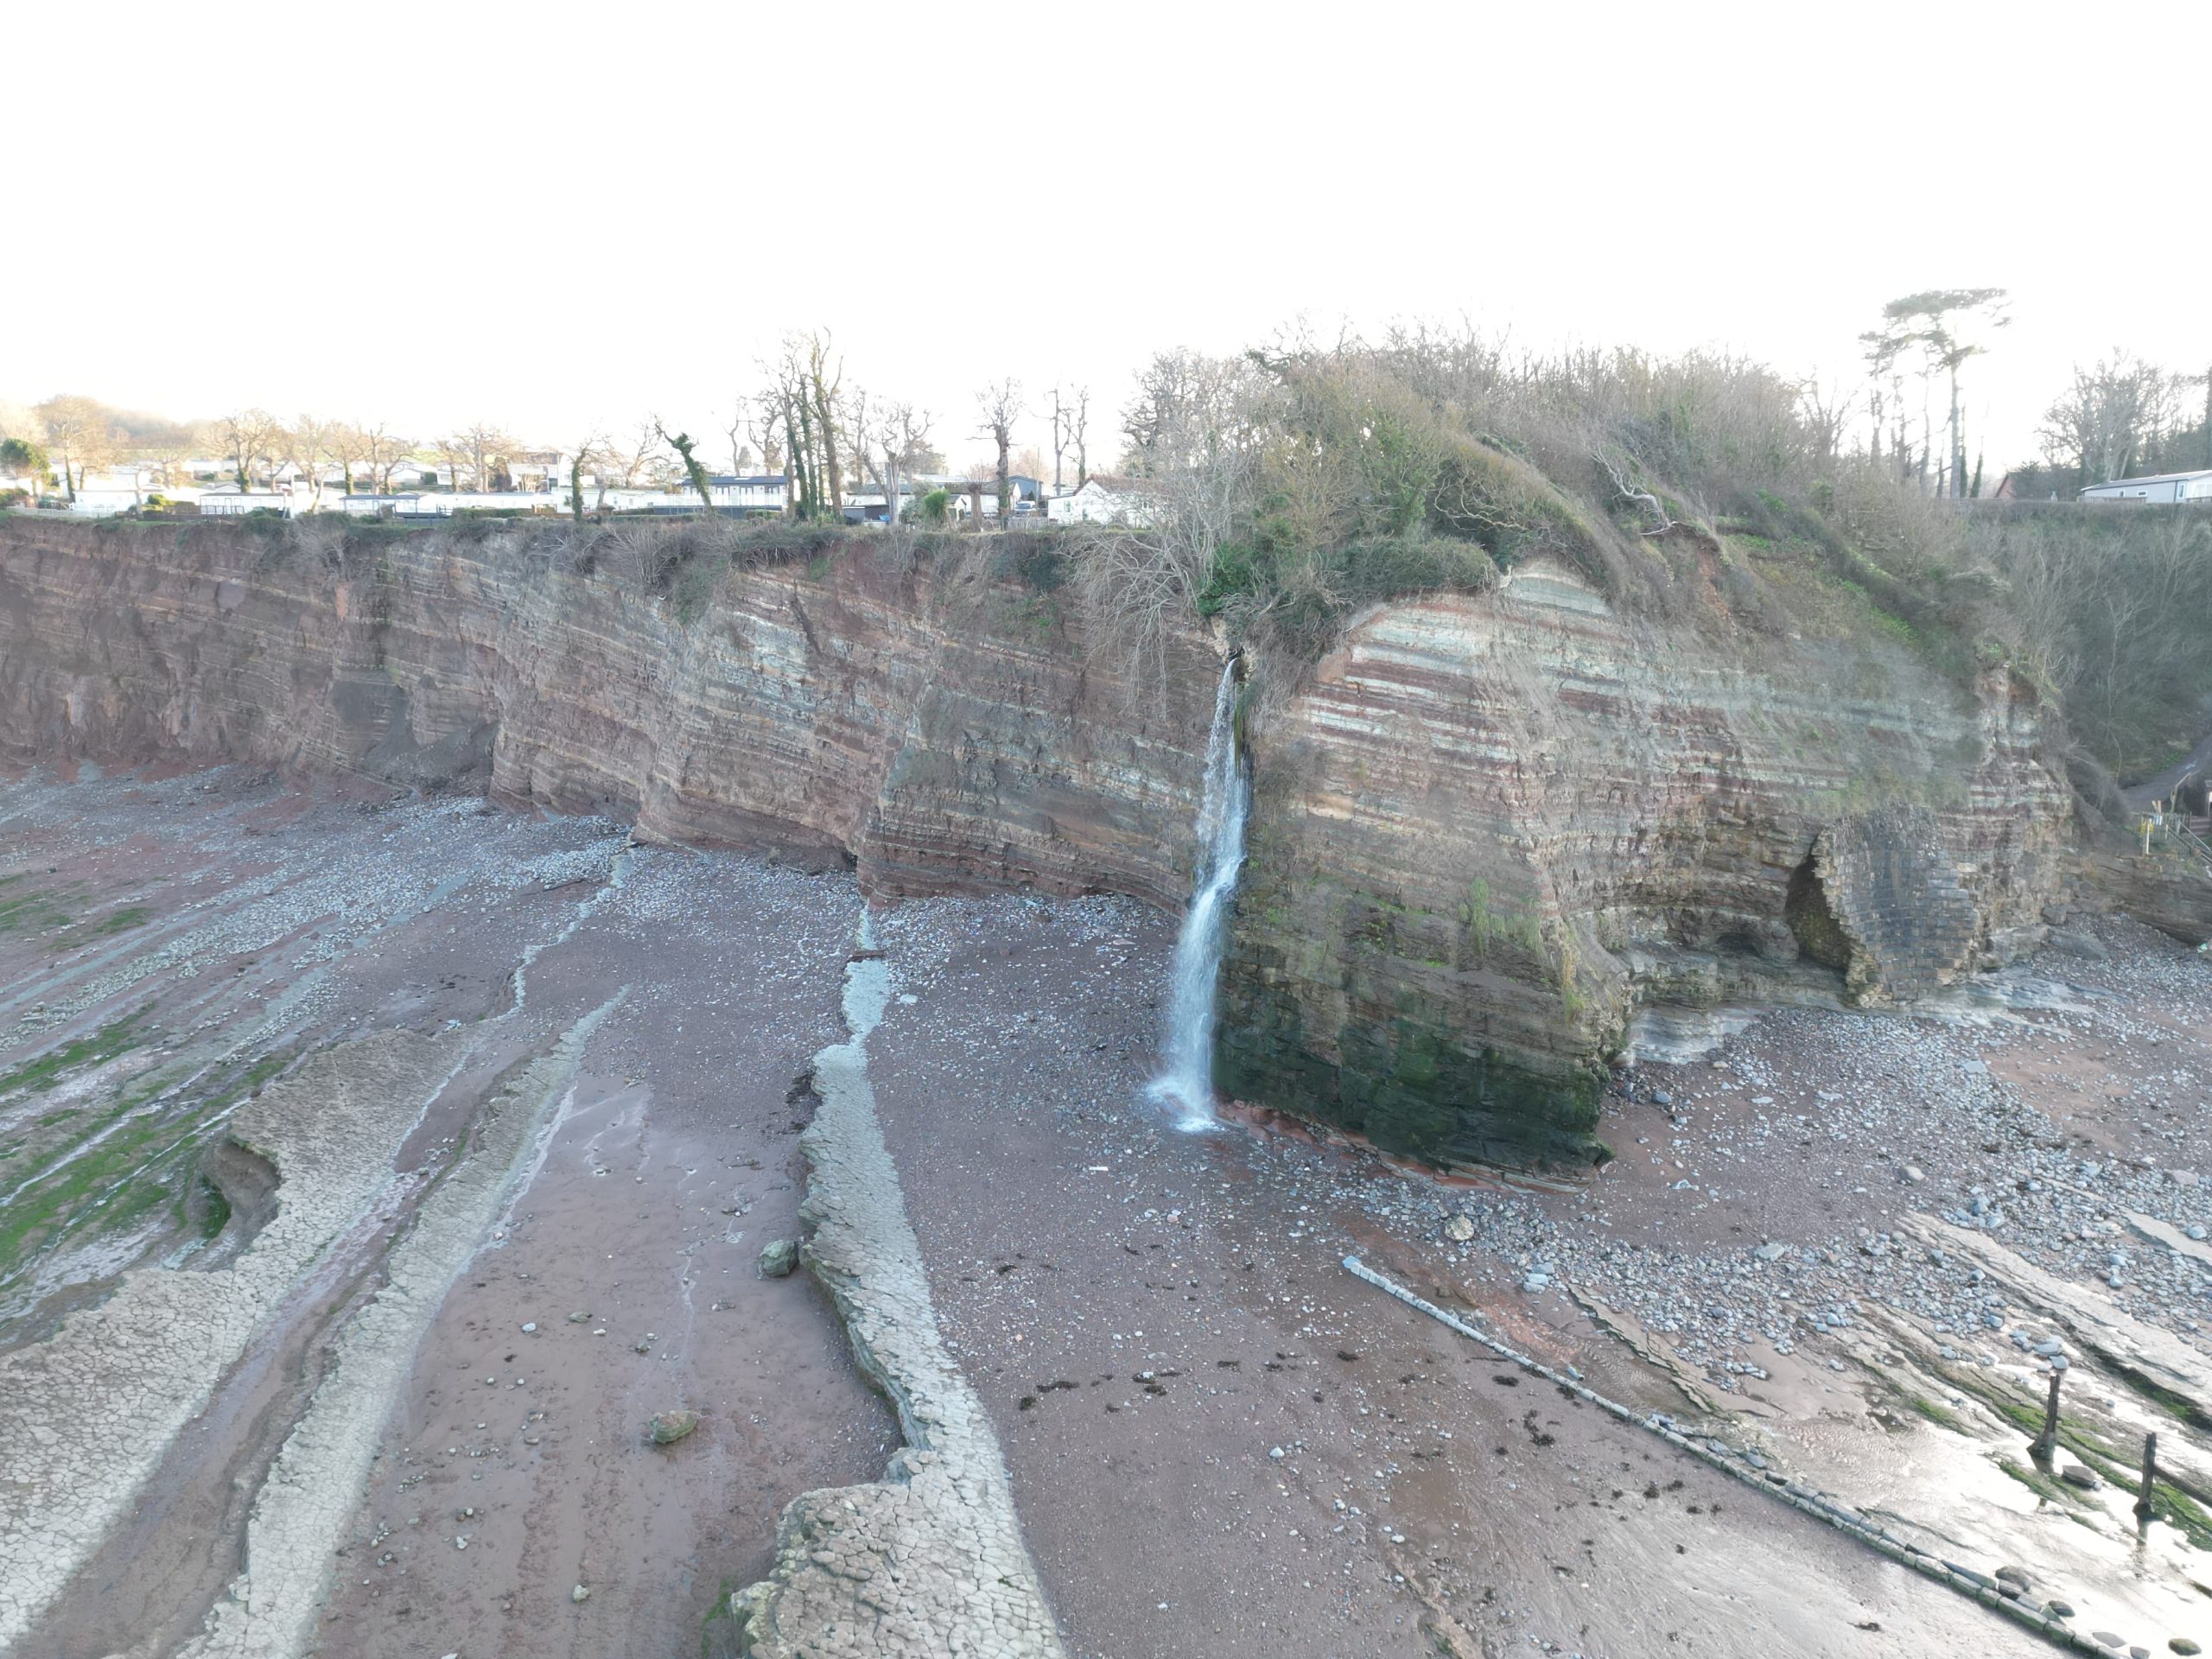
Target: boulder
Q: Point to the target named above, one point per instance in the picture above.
(778, 1257)
(667, 1427)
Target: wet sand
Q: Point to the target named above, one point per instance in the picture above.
(667, 1163)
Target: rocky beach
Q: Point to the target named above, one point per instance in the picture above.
(540, 1116)
(556, 1091)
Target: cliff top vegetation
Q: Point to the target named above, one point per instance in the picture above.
(1297, 486)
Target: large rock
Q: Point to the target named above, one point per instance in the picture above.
(1482, 815)
(2167, 888)
(667, 1427)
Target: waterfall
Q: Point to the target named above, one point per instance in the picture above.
(1186, 1079)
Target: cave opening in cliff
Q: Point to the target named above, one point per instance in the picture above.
(1806, 908)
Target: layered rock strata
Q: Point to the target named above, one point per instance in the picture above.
(902, 710)
(1488, 826)
(1484, 829)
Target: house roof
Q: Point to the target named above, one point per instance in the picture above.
(1117, 484)
(729, 478)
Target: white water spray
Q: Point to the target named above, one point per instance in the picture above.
(1186, 1079)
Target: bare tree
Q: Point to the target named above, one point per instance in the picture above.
(634, 457)
(1201, 442)
(1060, 434)
(81, 433)
(249, 435)
(307, 446)
(453, 449)
(1827, 413)
(893, 444)
(383, 452)
(1000, 406)
(766, 430)
(2110, 412)
(821, 382)
(489, 451)
(803, 389)
(348, 446)
(1078, 426)
(737, 431)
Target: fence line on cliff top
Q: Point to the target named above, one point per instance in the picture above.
(1965, 1580)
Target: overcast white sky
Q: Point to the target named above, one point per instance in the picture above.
(556, 218)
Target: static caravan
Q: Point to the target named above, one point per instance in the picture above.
(2165, 487)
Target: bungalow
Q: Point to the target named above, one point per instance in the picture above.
(2161, 488)
(1106, 499)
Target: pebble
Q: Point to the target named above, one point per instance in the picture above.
(580, 1594)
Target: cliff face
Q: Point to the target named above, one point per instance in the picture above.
(1490, 826)
(937, 730)
(1483, 830)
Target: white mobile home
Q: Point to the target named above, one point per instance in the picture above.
(749, 492)
(234, 502)
(2163, 487)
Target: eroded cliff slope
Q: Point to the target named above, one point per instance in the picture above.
(1483, 828)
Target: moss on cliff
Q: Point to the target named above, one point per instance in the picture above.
(1410, 1088)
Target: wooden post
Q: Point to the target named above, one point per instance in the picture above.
(2045, 1445)
(2150, 1476)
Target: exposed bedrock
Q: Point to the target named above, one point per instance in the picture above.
(889, 709)
(1489, 826)
(1484, 830)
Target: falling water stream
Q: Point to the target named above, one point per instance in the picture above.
(1186, 1079)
